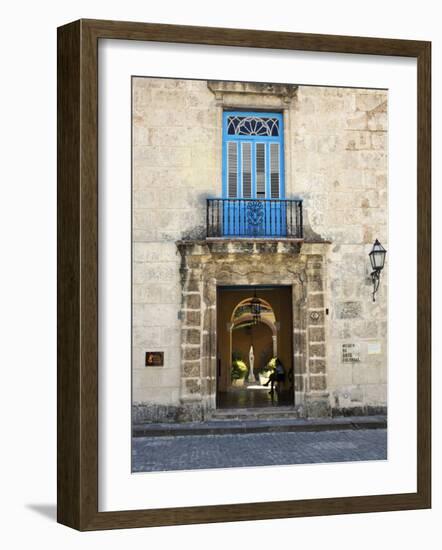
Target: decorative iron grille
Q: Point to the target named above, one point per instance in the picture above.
(269, 218)
(252, 126)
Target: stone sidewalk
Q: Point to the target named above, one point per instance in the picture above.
(260, 425)
(189, 452)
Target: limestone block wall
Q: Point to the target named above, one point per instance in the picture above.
(335, 160)
(338, 147)
(175, 132)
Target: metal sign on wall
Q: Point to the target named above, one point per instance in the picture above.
(154, 359)
(350, 353)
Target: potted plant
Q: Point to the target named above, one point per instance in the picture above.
(239, 370)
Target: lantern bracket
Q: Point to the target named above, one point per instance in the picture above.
(377, 259)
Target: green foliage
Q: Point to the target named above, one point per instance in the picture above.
(270, 367)
(239, 370)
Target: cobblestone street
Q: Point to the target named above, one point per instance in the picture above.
(187, 452)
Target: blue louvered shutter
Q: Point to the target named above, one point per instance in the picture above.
(246, 156)
(232, 169)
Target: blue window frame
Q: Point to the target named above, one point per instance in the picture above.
(253, 155)
(253, 168)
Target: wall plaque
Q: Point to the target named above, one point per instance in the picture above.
(154, 358)
(350, 353)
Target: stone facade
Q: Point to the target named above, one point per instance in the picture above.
(335, 153)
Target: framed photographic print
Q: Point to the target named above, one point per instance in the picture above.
(244, 275)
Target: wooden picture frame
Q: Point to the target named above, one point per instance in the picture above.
(78, 274)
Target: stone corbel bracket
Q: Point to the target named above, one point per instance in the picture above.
(230, 93)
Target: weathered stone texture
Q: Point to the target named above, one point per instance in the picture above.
(191, 353)
(191, 336)
(317, 350)
(191, 369)
(192, 301)
(316, 318)
(317, 408)
(192, 386)
(316, 300)
(348, 310)
(299, 383)
(317, 366)
(192, 318)
(316, 334)
(318, 383)
(148, 412)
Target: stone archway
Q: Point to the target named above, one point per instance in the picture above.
(207, 265)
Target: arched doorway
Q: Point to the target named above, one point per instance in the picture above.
(254, 339)
(250, 342)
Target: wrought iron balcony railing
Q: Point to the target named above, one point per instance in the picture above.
(266, 218)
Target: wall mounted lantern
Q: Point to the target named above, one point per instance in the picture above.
(377, 259)
(255, 308)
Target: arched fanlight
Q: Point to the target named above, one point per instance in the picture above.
(377, 260)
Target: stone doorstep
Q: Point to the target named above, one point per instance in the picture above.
(254, 413)
(269, 425)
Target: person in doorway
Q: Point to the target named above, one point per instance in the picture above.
(277, 376)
